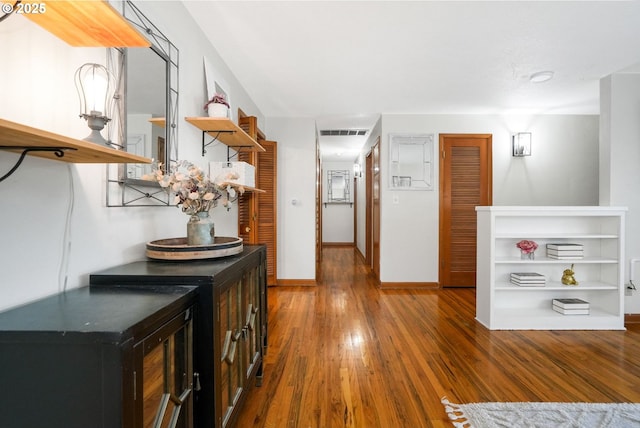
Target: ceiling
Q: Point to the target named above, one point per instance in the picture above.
(346, 62)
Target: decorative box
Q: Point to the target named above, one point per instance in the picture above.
(225, 171)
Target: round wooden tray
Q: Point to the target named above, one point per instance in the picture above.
(178, 249)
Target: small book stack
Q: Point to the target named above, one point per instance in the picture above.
(571, 306)
(565, 251)
(528, 279)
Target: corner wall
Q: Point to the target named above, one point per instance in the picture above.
(620, 163)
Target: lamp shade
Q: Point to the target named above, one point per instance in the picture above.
(96, 88)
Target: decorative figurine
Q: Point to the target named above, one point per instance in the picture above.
(567, 277)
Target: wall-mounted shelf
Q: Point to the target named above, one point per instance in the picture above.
(85, 23)
(158, 121)
(24, 139)
(246, 188)
(225, 131)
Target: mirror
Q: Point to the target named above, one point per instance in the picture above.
(338, 186)
(146, 117)
(411, 162)
(146, 107)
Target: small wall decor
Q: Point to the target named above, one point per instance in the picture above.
(411, 161)
(338, 186)
(521, 144)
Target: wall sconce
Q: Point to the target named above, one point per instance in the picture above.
(521, 144)
(96, 89)
(357, 170)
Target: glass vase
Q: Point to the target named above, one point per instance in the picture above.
(527, 256)
(200, 229)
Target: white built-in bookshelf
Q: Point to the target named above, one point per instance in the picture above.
(502, 305)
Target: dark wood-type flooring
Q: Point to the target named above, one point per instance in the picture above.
(347, 354)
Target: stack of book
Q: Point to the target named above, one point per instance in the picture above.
(528, 279)
(565, 251)
(570, 306)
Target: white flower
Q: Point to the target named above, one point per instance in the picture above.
(194, 195)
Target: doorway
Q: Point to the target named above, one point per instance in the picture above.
(465, 182)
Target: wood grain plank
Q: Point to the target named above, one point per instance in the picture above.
(348, 354)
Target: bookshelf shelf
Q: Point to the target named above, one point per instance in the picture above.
(501, 305)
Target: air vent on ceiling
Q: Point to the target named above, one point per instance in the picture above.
(342, 132)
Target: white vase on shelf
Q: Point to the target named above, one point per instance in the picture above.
(217, 110)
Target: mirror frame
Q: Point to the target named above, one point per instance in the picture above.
(123, 191)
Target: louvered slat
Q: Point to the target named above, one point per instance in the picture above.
(465, 196)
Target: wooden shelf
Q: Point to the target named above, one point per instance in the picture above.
(246, 188)
(227, 132)
(19, 137)
(158, 121)
(87, 24)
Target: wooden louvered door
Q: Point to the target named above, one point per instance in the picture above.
(257, 212)
(465, 182)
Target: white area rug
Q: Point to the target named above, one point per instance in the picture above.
(543, 415)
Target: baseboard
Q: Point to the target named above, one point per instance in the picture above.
(337, 244)
(632, 318)
(409, 285)
(296, 282)
(361, 256)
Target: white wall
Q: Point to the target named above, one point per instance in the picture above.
(40, 255)
(296, 182)
(337, 219)
(620, 163)
(563, 170)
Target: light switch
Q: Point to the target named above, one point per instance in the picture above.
(396, 199)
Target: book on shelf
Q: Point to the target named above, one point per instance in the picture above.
(528, 284)
(570, 303)
(564, 252)
(563, 257)
(528, 279)
(527, 276)
(565, 247)
(565, 311)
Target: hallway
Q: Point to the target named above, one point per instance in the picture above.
(346, 354)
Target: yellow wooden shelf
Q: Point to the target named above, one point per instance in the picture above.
(227, 132)
(158, 121)
(86, 24)
(17, 137)
(246, 188)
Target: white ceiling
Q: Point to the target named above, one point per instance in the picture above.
(346, 62)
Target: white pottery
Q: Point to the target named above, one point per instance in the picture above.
(218, 110)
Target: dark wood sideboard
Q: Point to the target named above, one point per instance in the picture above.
(230, 323)
(99, 358)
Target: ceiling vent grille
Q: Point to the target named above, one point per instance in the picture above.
(343, 132)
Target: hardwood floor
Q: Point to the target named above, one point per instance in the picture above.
(346, 354)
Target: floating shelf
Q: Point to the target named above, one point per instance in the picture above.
(246, 188)
(86, 24)
(158, 121)
(225, 131)
(23, 139)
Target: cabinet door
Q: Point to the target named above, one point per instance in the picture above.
(252, 328)
(164, 369)
(231, 382)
